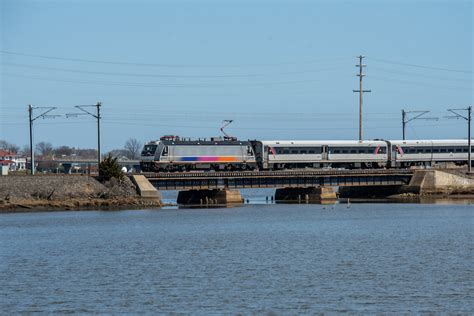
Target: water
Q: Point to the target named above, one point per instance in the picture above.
(253, 259)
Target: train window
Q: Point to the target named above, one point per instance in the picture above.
(419, 150)
(345, 151)
(280, 151)
(436, 150)
(294, 151)
(286, 151)
(302, 151)
(249, 151)
(337, 151)
(165, 151)
(458, 150)
(443, 150)
(149, 150)
(353, 151)
(311, 151)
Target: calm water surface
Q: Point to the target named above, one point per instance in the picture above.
(253, 259)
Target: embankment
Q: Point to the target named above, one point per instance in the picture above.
(68, 192)
(430, 183)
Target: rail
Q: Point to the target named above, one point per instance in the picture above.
(284, 173)
(275, 179)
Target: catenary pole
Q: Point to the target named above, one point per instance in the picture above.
(419, 116)
(98, 134)
(31, 119)
(32, 156)
(468, 118)
(404, 123)
(96, 115)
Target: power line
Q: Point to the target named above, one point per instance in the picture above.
(162, 85)
(419, 66)
(419, 75)
(417, 83)
(168, 75)
(95, 61)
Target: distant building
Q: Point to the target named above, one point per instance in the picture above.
(12, 160)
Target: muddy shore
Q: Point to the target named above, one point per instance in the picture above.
(67, 192)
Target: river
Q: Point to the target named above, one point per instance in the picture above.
(250, 259)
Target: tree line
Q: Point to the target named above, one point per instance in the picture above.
(130, 150)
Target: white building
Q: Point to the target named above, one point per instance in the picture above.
(12, 160)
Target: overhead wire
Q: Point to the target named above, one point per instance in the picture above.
(410, 74)
(417, 83)
(169, 75)
(162, 85)
(95, 61)
(418, 66)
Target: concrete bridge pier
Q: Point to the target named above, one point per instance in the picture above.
(209, 197)
(145, 188)
(322, 195)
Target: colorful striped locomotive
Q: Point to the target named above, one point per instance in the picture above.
(172, 153)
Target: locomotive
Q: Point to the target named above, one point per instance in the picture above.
(172, 153)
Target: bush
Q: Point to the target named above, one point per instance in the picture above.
(109, 168)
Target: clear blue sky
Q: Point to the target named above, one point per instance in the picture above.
(281, 70)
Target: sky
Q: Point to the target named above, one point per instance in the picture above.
(278, 69)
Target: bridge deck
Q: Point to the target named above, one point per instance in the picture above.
(277, 179)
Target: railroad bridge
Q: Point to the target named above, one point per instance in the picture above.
(304, 185)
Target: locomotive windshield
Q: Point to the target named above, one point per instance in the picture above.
(149, 150)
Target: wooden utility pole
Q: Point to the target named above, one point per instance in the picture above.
(361, 93)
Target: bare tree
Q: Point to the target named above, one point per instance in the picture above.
(63, 151)
(87, 153)
(25, 151)
(9, 146)
(132, 147)
(118, 153)
(3, 144)
(44, 149)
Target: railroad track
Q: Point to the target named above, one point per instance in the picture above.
(286, 173)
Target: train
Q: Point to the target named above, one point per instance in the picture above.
(172, 153)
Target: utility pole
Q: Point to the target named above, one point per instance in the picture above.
(468, 118)
(97, 116)
(418, 116)
(31, 119)
(361, 93)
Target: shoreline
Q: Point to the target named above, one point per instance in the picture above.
(134, 203)
(77, 204)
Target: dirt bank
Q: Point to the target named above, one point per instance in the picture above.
(67, 192)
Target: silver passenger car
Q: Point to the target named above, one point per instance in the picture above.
(405, 153)
(320, 153)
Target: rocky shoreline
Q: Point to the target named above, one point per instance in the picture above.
(67, 192)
